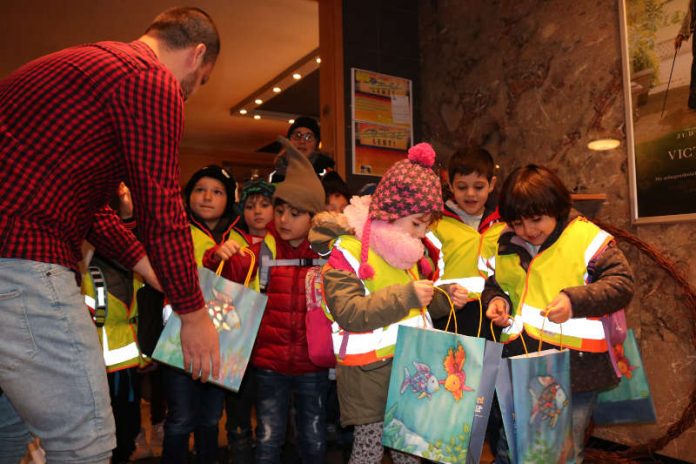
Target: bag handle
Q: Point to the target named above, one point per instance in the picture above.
(451, 311)
(524, 344)
(542, 330)
(244, 251)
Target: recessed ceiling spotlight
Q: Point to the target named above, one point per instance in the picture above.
(297, 76)
(291, 121)
(242, 111)
(258, 101)
(603, 144)
(257, 117)
(318, 60)
(277, 89)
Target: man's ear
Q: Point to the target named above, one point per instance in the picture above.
(197, 55)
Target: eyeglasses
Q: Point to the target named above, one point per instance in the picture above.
(307, 136)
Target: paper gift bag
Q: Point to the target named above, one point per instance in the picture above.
(534, 396)
(440, 393)
(236, 312)
(630, 401)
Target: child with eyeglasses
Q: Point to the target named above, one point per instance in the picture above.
(305, 136)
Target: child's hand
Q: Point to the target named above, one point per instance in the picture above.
(228, 249)
(424, 291)
(458, 294)
(559, 310)
(498, 312)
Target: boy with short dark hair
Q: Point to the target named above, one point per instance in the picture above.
(467, 234)
(281, 367)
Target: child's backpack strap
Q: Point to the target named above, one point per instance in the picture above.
(267, 261)
(99, 301)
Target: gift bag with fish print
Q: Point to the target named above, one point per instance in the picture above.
(534, 396)
(236, 312)
(440, 394)
(630, 401)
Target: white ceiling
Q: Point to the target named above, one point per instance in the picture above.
(260, 39)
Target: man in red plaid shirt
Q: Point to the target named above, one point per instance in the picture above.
(73, 125)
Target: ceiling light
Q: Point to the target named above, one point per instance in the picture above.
(258, 101)
(318, 60)
(291, 121)
(257, 117)
(277, 89)
(242, 111)
(297, 76)
(603, 144)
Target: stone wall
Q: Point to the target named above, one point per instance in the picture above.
(534, 81)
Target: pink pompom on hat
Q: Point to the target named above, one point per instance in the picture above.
(409, 186)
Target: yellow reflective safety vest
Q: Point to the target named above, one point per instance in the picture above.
(464, 253)
(118, 335)
(361, 348)
(203, 241)
(562, 265)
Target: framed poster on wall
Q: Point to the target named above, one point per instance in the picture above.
(660, 92)
(382, 121)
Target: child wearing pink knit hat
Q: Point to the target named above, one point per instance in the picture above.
(377, 278)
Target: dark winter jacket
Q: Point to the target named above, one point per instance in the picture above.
(281, 343)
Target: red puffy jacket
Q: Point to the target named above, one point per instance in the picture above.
(281, 344)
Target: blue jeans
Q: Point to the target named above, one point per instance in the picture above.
(583, 407)
(192, 406)
(273, 393)
(52, 369)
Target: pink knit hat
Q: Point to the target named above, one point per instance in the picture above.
(408, 187)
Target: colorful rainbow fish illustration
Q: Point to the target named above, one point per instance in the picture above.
(223, 314)
(548, 400)
(456, 377)
(422, 382)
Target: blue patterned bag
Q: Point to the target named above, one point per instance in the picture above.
(534, 396)
(236, 312)
(630, 401)
(440, 394)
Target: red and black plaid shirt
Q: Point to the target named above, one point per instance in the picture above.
(75, 123)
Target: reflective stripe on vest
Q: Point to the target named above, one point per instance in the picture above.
(563, 264)
(118, 355)
(119, 332)
(360, 348)
(122, 354)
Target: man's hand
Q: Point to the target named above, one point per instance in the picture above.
(125, 203)
(200, 345)
(424, 291)
(559, 310)
(227, 250)
(458, 294)
(498, 312)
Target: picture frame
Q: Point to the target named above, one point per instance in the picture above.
(660, 119)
